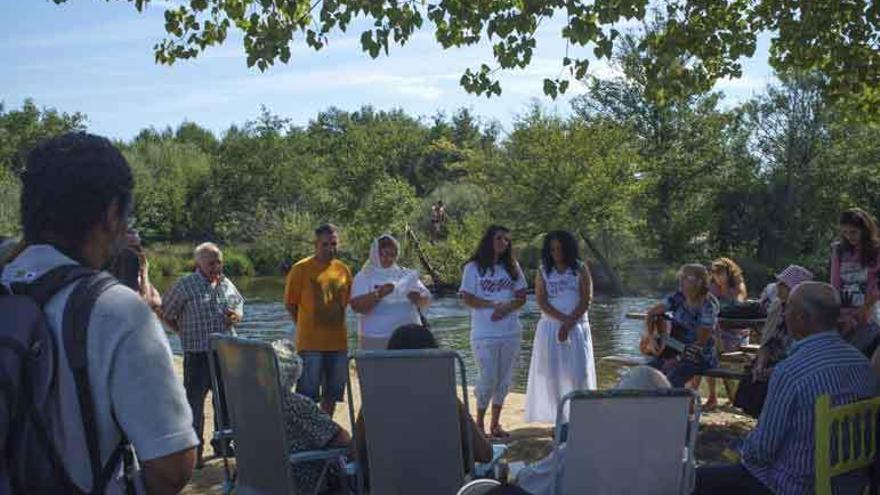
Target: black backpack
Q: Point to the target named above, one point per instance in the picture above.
(29, 463)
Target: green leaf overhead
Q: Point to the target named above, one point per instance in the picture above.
(838, 40)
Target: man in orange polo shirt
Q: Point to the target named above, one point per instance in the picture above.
(317, 292)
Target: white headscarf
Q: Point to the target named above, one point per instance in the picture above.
(403, 279)
(374, 263)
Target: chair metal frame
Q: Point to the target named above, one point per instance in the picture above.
(221, 411)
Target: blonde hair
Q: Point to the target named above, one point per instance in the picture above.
(699, 272)
(735, 279)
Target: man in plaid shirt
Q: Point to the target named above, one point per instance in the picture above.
(199, 304)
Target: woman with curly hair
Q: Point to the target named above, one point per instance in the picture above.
(494, 288)
(562, 354)
(729, 287)
(855, 262)
(728, 283)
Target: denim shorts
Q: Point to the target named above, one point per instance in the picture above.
(324, 375)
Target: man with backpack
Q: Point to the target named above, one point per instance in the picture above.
(90, 402)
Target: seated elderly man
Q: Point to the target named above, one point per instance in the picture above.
(777, 457)
(306, 426)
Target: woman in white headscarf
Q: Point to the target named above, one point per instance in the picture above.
(386, 296)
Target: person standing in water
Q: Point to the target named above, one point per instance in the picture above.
(494, 288)
(562, 354)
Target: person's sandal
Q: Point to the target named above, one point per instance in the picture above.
(710, 405)
(498, 432)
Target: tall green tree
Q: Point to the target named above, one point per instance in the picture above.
(557, 173)
(169, 176)
(686, 146)
(790, 136)
(9, 202)
(21, 129)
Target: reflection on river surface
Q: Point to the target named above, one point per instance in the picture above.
(266, 319)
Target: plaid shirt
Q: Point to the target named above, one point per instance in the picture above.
(199, 309)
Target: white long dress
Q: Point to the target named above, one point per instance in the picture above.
(557, 367)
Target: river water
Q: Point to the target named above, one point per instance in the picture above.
(612, 333)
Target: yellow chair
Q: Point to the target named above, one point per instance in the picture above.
(851, 428)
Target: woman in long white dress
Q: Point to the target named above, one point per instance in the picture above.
(386, 296)
(562, 354)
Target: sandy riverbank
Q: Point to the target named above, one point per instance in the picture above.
(528, 442)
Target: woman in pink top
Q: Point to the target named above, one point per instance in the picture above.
(855, 261)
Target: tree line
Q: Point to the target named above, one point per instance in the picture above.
(645, 185)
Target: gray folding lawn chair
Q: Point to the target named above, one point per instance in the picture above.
(410, 411)
(628, 442)
(249, 370)
(223, 430)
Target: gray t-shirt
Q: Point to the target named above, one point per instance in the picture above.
(130, 368)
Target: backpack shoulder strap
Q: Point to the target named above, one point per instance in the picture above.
(77, 315)
(48, 284)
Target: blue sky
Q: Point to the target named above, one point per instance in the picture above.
(96, 57)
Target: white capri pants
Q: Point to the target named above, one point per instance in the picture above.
(496, 360)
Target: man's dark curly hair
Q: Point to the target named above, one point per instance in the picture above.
(67, 186)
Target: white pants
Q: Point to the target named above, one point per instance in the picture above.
(496, 359)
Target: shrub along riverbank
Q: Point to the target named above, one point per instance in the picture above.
(645, 185)
(646, 278)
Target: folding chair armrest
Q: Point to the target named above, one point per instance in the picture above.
(351, 468)
(482, 470)
(316, 455)
(498, 450)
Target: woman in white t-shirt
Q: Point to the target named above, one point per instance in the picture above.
(494, 287)
(386, 296)
(562, 354)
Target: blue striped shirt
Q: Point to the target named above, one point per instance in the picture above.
(779, 452)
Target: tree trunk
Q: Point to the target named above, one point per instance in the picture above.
(424, 259)
(610, 272)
